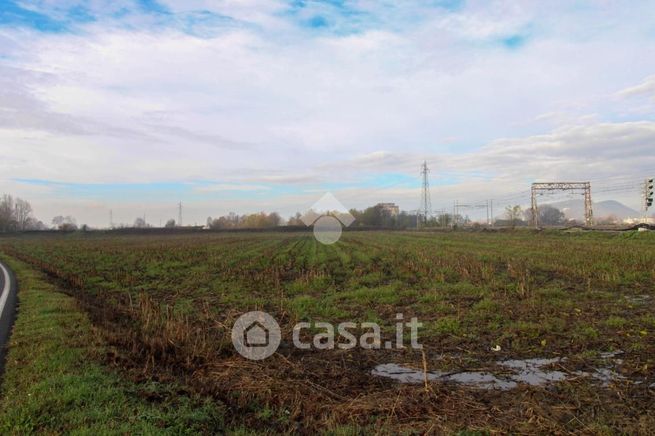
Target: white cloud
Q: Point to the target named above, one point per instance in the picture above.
(265, 13)
(644, 89)
(271, 103)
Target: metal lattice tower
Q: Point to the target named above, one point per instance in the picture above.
(425, 210)
(579, 187)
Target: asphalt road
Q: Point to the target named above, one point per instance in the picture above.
(7, 309)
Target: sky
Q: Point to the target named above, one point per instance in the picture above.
(243, 105)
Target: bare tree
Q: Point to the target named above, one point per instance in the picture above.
(513, 214)
(17, 215)
(23, 212)
(35, 224)
(7, 214)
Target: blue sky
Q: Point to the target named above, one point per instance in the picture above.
(244, 105)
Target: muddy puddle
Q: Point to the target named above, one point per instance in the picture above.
(509, 374)
(472, 378)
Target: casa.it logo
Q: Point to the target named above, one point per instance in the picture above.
(328, 217)
(256, 335)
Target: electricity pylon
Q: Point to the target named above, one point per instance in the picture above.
(425, 210)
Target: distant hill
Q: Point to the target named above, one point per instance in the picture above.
(574, 209)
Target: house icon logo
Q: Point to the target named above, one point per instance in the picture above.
(256, 335)
(327, 217)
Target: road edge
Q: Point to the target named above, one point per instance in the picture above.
(8, 302)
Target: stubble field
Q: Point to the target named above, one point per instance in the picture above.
(490, 304)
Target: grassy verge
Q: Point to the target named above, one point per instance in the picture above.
(52, 385)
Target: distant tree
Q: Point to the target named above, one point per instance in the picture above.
(216, 223)
(253, 221)
(405, 220)
(273, 220)
(170, 224)
(16, 215)
(513, 214)
(65, 224)
(225, 222)
(7, 214)
(378, 216)
(444, 219)
(373, 216)
(260, 220)
(140, 223)
(551, 216)
(34, 224)
(548, 216)
(296, 220)
(23, 212)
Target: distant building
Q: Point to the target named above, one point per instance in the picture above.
(389, 208)
(648, 220)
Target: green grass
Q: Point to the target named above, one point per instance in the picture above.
(52, 384)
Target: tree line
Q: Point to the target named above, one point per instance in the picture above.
(548, 216)
(261, 220)
(16, 215)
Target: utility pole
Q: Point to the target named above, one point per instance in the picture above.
(533, 207)
(179, 214)
(588, 205)
(488, 212)
(648, 196)
(426, 203)
(491, 205)
(441, 213)
(111, 219)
